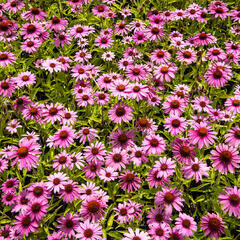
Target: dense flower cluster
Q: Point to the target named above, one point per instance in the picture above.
(119, 120)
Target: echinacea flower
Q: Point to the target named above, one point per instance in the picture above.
(233, 136)
(225, 158)
(170, 198)
(68, 224)
(159, 231)
(26, 155)
(186, 225)
(195, 168)
(154, 144)
(120, 112)
(89, 231)
(230, 201)
(165, 167)
(202, 134)
(56, 182)
(130, 181)
(175, 124)
(135, 235)
(212, 225)
(7, 58)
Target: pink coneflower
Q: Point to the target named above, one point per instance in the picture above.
(146, 126)
(193, 11)
(68, 224)
(187, 56)
(186, 225)
(86, 98)
(138, 156)
(138, 91)
(13, 125)
(174, 105)
(175, 234)
(56, 182)
(31, 30)
(139, 37)
(157, 216)
(52, 113)
(68, 117)
(230, 201)
(32, 112)
(165, 167)
(89, 231)
(155, 33)
(102, 98)
(25, 225)
(92, 169)
(154, 181)
(31, 46)
(120, 88)
(14, 6)
(58, 24)
(117, 159)
(202, 134)
(218, 75)
(80, 71)
(25, 79)
(82, 56)
(178, 43)
(21, 203)
(104, 42)
(62, 39)
(9, 198)
(215, 54)
(7, 87)
(130, 181)
(136, 72)
(27, 154)
(37, 209)
(62, 161)
(201, 103)
(165, 72)
(233, 136)
(5, 232)
(122, 139)
(108, 174)
(64, 137)
(212, 225)
(7, 58)
(37, 191)
(64, 63)
(79, 31)
(154, 144)
(203, 16)
(215, 114)
(52, 65)
(9, 185)
(3, 164)
(159, 231)
(175, 124)
(120, 112)
(225, 158)
(169, 197)
(125, 62)
(96, 151)
(219, 11)
(34, 14)
(121, 28)
(136, 25)
(123, 212)
(87, 134)
(136, 235)
(108, 56)
(93, 209)
(100, 10)
(233, 104)
(56, 236)
(204, 39)
(70, 192)
(160, 56)
(195, 168)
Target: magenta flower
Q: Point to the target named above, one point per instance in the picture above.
(230, 201)
(233, 136)
(70, 192)
(195, 168)
(120, 112)
(154, 144)
(159, 231)
(212, 225)
(186, 225)
(202, 134)
(225, 158)
(130, 181)
(26, 155)
(169, 197)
